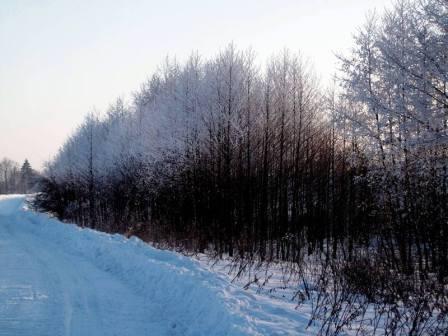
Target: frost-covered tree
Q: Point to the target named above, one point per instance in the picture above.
(395, 81)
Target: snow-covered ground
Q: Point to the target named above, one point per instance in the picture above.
(58, 279)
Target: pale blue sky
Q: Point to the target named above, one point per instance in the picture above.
(60, 59)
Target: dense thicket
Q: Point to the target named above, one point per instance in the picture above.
(220, 155)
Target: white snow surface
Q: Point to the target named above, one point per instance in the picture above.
(59, 279)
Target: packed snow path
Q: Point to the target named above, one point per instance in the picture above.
(57, 279)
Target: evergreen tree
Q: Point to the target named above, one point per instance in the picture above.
(27, 177)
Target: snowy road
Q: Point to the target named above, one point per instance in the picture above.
(45, 291)
(56, 279)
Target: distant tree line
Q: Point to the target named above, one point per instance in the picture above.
(15, 179)
(259, 163)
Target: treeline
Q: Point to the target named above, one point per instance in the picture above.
(212, 154)
(15, 179)
(259, 163)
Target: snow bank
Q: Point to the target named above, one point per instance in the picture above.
(197, 301)
(10, 204)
